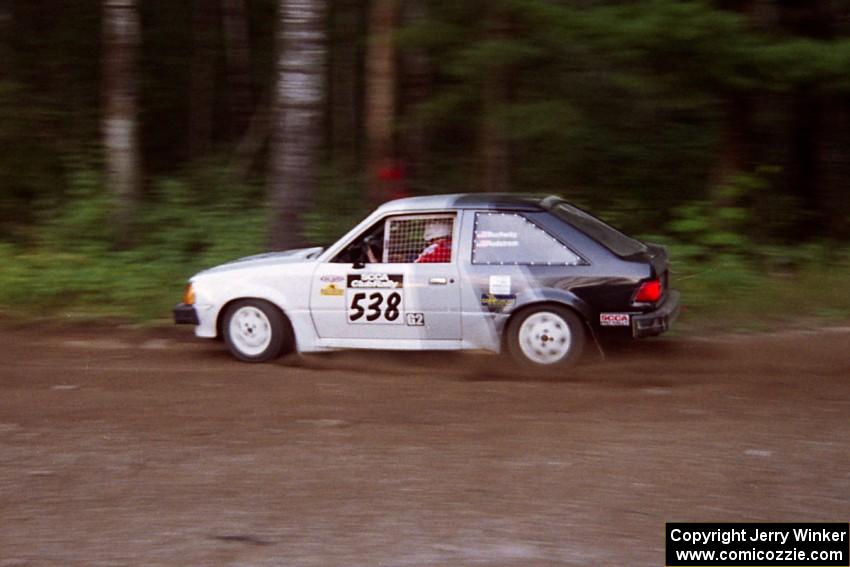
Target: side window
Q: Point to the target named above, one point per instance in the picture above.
(419, 239)
(365, 248)
(510, 238)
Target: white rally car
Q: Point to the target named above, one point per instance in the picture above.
(533, 276)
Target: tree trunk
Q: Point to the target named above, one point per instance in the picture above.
(252, 142)
(804, 173)
(203, 78)
(238, 60)
(380, 96)
(5, 16)
(345, 58)
(120, 129)
(6, 28)
(812, 19)
(417, 82)
(734, 150)
(494, 152)
(297, 126)
(733, 155)
(835, 155)
(493, 145)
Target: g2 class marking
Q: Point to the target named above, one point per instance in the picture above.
(415, 319)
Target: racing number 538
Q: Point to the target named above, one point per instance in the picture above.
(374, 306)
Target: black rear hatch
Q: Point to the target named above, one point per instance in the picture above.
(657, 256)
(620, 244)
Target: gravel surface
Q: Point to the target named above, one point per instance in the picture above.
(121, 447)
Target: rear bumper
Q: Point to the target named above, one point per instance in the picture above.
(185, 314)
(658, 321)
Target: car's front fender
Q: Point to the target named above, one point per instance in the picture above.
(213, 295)
(211, 299)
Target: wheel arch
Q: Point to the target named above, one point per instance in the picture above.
(219, 321)
(554, 297)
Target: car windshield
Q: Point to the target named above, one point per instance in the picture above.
(603, 233)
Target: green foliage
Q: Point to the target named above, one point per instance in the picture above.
(612, 99)
(733, 274)
(336, 209)
(729, 292)
(83, 211)
(619, 105)
(71, 266)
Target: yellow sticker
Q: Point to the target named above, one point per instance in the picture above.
(332, 289)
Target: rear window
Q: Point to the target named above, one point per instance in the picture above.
(603, 233)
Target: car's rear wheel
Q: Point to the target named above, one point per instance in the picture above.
(547, 336)
(255, 330)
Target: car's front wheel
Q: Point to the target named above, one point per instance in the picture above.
(255, 330)
(547, 336)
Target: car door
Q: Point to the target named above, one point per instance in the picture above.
(396, 297)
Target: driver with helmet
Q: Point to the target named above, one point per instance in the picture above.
(438, 235)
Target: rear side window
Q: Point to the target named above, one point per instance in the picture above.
(512, 239)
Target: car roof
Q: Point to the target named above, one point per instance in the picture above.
(511, 201)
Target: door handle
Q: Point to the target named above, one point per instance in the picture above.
(438, 281)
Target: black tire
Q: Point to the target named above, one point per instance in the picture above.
(256, 331)
(545, 337)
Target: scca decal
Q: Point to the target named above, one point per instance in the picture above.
(614, 319)
(375, 281)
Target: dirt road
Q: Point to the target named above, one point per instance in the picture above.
(130, 448)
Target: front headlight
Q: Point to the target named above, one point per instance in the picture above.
(189, 295)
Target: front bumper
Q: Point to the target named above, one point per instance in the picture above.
(185, 314)
(658, 321)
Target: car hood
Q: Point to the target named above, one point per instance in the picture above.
(268, 259)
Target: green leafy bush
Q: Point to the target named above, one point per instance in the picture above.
(67, 263)
(70, 265)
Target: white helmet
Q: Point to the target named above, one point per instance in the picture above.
(437, 229)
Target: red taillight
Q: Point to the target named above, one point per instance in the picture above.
(649, 292)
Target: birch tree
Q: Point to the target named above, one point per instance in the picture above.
(120, 136)
(298, 110)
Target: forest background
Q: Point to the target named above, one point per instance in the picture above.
(143, 140)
